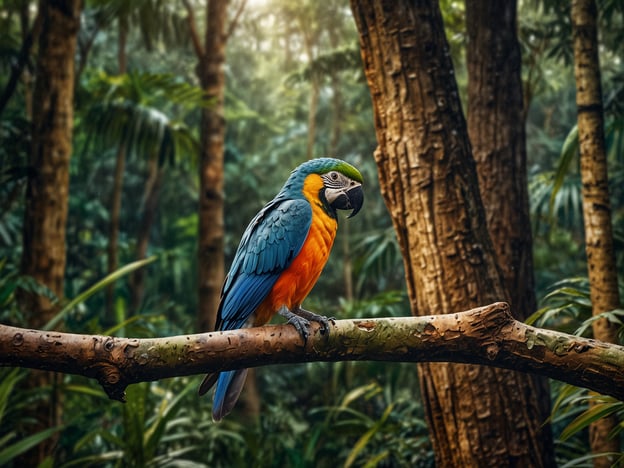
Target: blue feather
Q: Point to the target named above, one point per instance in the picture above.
(228, 389)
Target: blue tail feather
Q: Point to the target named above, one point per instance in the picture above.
(229, 386)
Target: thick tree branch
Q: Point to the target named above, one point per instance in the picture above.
(487, 335)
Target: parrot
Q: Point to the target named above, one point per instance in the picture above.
(279, 259)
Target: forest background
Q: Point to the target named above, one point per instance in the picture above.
(295, 89)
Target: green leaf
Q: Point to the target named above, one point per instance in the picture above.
(94, 460)
(374, 462)
(166, 412)
(111, 278)
(368, 390)
(367, 436)
(91, 391)
(613, 316)
(122, 324)
(566, 393)
(568, 151)
(9, 453)
(592, 414)
(9, 380)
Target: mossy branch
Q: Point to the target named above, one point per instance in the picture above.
(487, 335)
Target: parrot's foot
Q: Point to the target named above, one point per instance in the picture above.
(301, 324)
(312, 317)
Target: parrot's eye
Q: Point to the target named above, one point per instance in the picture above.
(334, 175)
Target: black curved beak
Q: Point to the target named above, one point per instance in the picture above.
(352, 199)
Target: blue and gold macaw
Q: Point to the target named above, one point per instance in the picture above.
(280, 258)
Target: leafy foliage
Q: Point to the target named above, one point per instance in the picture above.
(568, 307)
(11, 445)
(351, 414)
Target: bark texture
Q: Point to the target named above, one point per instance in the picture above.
(47, 192)
(211, 164)
(601, 264)
(478, 416)
(43, 254)
(497, 133)
(485, 335)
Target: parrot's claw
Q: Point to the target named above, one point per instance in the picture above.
(301, 318)
(300, 323)
(311, 316)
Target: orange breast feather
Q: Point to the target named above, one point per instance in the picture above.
(296, 282)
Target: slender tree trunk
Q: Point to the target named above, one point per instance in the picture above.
(122, 40)
(211, 223)
(497, 134)
(478, 416)
(150, 206)
(211, 56)
(115, 202)
(113, 229)
(601, 265)
(43, 254)
(211, 165)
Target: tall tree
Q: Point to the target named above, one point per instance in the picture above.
(211, 57)
(497, 134)
(43, 254)
(149, 202)
(478, 416)
(120, 165)
(210, 71)
(603, 283)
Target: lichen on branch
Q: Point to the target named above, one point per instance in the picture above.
(486, 335)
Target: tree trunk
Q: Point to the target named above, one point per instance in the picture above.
(113, 231)
(115, 202)
(150, 205)
(596, 207)
(478, 416)
(211, 57)
(43, 254)
(211, 166)
(497, 134)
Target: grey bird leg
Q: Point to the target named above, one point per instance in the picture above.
(312, 317)
(301, 324)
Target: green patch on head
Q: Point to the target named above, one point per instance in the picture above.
(350, 171)
(324, 165)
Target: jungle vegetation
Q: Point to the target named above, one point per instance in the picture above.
(146, 89)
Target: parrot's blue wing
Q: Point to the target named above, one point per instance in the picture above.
(268, 246)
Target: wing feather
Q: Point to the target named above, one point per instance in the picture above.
(268, 246)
